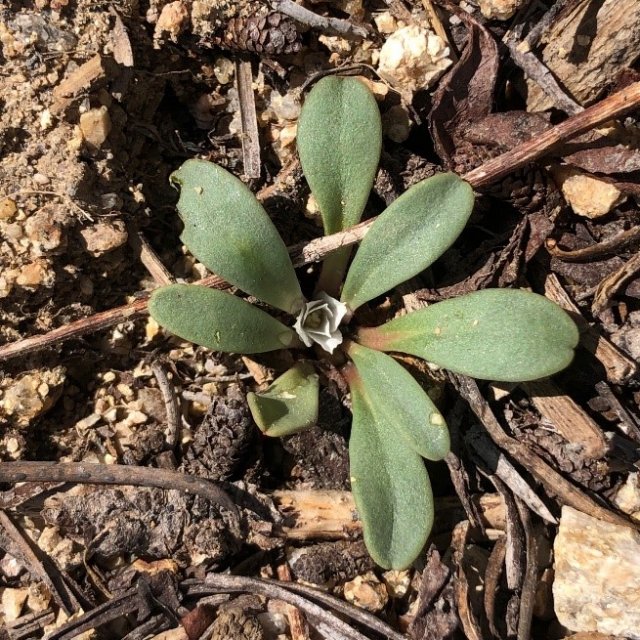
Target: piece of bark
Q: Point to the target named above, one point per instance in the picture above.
(248, 119)
(433, 618)
(618, 365)
(586, 47)
(575, 424)
(81, 79)
(492, 577)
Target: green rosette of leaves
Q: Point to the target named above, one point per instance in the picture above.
(495, 334)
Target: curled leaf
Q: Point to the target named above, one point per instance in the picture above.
(218, 320)
(412, 233)
(229, 231)
(290, 404)
(494, 334)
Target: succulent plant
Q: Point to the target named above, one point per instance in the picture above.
(495, 334)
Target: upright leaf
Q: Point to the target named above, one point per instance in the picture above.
(290, 404)
(494, 334)
(413, 232)
(389, 482)
(339, 142)
(218, 320)
(229, 231)
(398, 401)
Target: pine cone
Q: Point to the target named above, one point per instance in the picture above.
(271, 33)
(244, 25)
(222, 437)
(235, 623)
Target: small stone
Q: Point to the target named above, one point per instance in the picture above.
(224, 69)
(40, 179)
(95, 125)
(23, 401)
(13, 445)
(398, 582)
(627, 497)
(12, 601)
(35, 274)
(366, 592)
(597, 575)
(46, 119)
(49, 539)
(385, 22)
(137, 417)
(39, 597)
(10, 567)
(172, 20)
(8, 209)
(499, 9)
(587, 195)
(413, 58)
(104, 236)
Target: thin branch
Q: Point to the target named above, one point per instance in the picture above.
(321, 617)
(329, 26)
(171, 406)
(612, 107)
(150, 259)
(87, 473)
(600, 250)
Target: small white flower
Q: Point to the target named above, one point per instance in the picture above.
(319, 321)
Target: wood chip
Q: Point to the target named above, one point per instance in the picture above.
(83, 78)
(586, 47)
(248, 119)
(571, 421)
(618, 365)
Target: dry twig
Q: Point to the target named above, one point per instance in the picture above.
(329, 26)
(87, 473)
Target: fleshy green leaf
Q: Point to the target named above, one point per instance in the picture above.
(389, 482)
(494, 334)
(399, 401)
(218, 320)
(229, 231)
(290, 404)
(339, 142)
(413, 232)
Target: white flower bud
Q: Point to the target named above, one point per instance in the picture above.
(319, 321)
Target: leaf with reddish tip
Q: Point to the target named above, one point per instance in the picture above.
(494, 334)
(218, 320)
